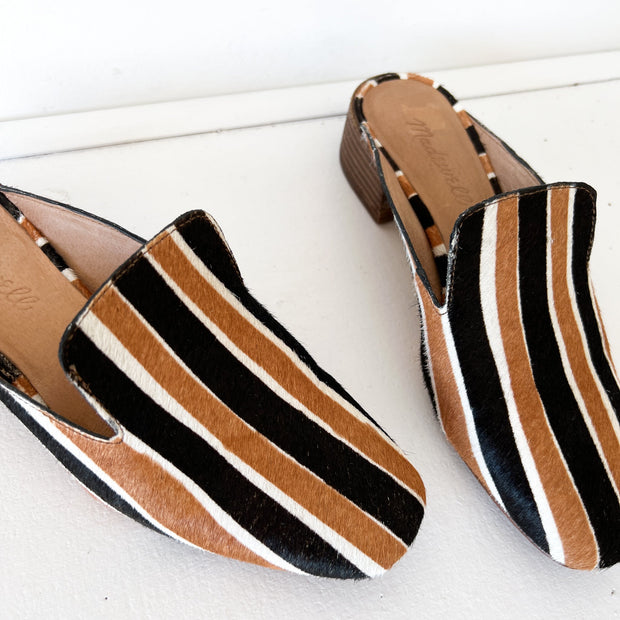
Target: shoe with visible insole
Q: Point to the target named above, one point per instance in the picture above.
(514, 352)
(177, 398)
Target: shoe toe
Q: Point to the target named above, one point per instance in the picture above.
(523, 376)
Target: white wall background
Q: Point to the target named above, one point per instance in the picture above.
(70, 55)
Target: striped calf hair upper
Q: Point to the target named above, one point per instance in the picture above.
(521, 374)
(227, 435)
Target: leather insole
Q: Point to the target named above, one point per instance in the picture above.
(423, 134)
(36, 304)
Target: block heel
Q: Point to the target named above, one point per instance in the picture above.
(358, 165)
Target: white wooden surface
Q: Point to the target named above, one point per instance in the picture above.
(103, 127)
(68, 55)
(341, 284)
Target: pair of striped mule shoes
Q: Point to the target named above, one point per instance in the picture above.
(155, 377)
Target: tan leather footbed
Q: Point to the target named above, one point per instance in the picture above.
(36, 304)
(423, 134)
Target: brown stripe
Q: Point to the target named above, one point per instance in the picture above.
(162, 496)
(420, 78)
(405, 185)
(298, 483)
(32, 231)
(434, 236)
(23, 384)
(571, 335)
(276, 363)
(449, 406)
(569, 514)
(81, 288)
(465, 119)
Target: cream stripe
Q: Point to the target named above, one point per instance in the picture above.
(439, 250)
(110, 346)
(133, 442)
(246, 314)
(189, 371)
(558, 332)
(469, 419)
(69, 274)
(490, 313)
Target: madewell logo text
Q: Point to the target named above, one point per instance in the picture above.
(424, 135)
(20, 297)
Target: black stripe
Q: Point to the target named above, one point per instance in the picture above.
(385, 77)
(562, 410)
(8, 371)
(255, 511)
(441, 263)
(10, 207)
(389, 158)
(359, 109)
(426, 371)
(475, 139)
(200, 235)
(497, 188)
(88, 478)
(53, 255)
(199, 232)
(583, 229)
(333, 461)
(421, 211)
(448, 95)
(483, 385)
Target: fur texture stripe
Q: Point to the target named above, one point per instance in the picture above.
(100, 467)
(274, 365)
(205, 240)
(267, 413)
(560, 495)
(532, 369)
(490, 311)
(213, 297)
(141, 344)
(198, 460)
(482, 382)
(450, 412)
(275, 452)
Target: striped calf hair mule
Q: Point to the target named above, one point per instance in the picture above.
(514, 352)
(175, 397)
